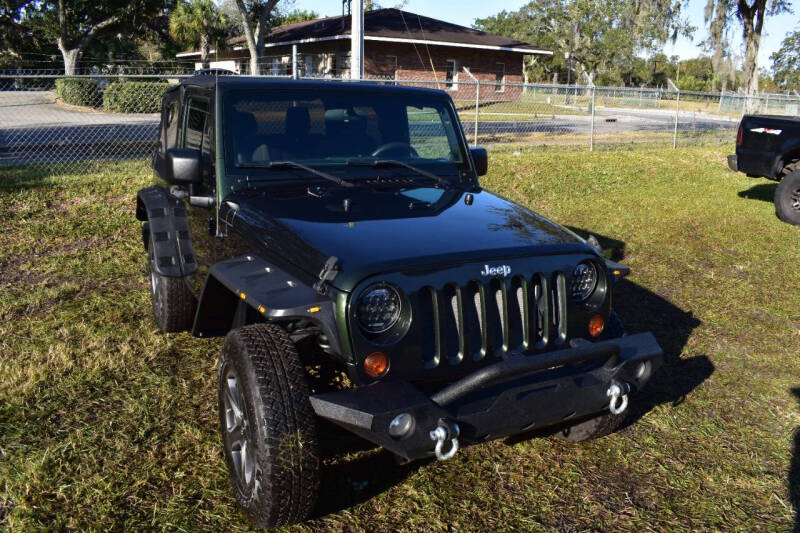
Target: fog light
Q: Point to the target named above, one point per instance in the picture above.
(400, 425)
(376, 364)
(596, 325)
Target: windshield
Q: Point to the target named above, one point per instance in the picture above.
(340, 132)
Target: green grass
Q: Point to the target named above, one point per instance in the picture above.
(107, 424)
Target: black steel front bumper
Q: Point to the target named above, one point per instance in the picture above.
(521, 393)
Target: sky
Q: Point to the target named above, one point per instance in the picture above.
(464, 12)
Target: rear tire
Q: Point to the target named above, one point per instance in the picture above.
(593, 428)
(174, 304)
(787, 198)
(268, 427)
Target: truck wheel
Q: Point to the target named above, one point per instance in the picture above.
(787, 198)
(593, 428)
(268, 426)
(173, 302)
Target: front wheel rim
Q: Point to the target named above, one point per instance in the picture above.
(795, 199)
(237, 430)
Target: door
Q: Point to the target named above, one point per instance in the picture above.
(198, 134)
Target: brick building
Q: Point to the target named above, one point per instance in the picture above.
(398, 45)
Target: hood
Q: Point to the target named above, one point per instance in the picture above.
(372, 231)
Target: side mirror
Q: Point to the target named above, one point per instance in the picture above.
(480, 159)
(183, 166)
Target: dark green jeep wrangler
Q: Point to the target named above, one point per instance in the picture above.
(337, 236)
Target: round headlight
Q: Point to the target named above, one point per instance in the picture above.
(378, 308)
(584, 281)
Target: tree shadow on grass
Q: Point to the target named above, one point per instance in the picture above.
(763, 191)
(794, 471)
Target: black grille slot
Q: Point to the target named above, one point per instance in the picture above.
(428, 313)
(473, 312)
(492, 317)
(516, 313)
(452, 324)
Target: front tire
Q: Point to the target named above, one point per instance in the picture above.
(268, 426)
(787, 198)
(174, 304)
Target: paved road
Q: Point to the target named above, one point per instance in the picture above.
(34, 127)
(606, 121)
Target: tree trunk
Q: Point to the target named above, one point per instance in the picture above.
(753, 22)
(254, 36)
(204, 50)
(70, 56)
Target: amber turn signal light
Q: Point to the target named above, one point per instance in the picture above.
(596, 325)
(376, 364)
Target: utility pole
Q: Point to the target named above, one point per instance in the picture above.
(357, 40)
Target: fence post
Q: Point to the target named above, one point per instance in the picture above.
(677, 112)
(477, 107)
(477, 101)
(591, 133)
(295, 70)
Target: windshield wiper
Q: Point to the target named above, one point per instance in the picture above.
(396, 163)
(293, 164)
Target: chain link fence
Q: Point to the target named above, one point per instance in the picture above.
(64, 121)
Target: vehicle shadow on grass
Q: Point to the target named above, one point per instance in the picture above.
(642, 310)
(794, 470)
(348, 481)
(763, 191)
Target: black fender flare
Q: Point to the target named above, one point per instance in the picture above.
(248, 284)
(165, 218)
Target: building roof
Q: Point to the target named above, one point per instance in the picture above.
(390, 25)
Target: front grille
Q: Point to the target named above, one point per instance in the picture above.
(490, 318)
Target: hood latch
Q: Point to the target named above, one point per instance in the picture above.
(328, 273)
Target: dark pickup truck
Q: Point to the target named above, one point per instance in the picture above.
(769, 146)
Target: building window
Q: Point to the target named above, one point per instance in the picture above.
(451, 75)
(275, 70)
(309, 68)
(341, 65)
(391, 63)
(500, 77)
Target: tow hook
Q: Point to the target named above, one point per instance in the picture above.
(619, 398)
(443, 432)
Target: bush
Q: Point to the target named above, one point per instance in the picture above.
(78, 91)
(134, 96)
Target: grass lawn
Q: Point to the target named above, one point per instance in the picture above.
(107, 424)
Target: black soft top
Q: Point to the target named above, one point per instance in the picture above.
(226, 83)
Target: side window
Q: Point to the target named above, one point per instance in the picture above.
(169, 127)
(206, 147)
(195, 123)
(428, 134)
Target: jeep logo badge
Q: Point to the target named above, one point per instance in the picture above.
(502, 270)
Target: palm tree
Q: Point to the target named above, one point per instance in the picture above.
(196, 23)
